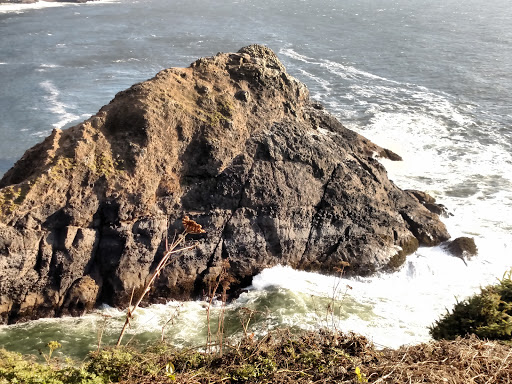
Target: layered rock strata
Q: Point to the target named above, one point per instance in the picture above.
(235, 143)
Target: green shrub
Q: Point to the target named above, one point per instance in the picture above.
(112, 363)
(15, 369)
(487, 314)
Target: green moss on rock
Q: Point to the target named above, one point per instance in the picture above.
(12, 196)
(409, 246)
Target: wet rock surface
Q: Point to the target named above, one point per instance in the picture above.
(463, 247)
(235, 143)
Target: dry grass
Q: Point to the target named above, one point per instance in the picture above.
(465, 360)
(322, 357)
(280, 357)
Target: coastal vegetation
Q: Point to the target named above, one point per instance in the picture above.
(487, 314)
(281, 356)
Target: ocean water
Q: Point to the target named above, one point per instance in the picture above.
(431, 81)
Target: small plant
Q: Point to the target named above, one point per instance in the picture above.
(244, 372)
(223, 280)
(169, 371)
(191, 227)
(245, 316)
(171, 320)
(52, 346)
(101, 329)
(112, 364)
(333, 308)
(361, 377)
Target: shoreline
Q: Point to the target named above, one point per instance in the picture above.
(42, 1)
(20, 6)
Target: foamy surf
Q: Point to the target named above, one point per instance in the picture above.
(57, 107)
(397, 308)
(390, 309)
(21, 8)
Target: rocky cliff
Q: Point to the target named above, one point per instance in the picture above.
(235, 143)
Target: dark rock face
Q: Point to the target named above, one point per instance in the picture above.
(429, 202)
(463, 247)
(234, 142)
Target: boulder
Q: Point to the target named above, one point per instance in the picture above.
(234, 142)
(463, 247)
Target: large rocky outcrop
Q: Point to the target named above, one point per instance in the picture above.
(234, 142)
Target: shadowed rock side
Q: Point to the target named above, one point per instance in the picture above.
(234, 142)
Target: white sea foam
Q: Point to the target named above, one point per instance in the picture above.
(396, 308)
(341, 70)
(46, 67)
(467, 176)
(322, 82)
(295, 55)
(56, 106)
(96, 2)
(20, 8)
(348, 71)
(126, 60)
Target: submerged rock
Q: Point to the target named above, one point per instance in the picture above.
(463, 247)
(234, 142)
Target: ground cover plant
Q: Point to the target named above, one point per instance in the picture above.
(487, 314)
(279, 357)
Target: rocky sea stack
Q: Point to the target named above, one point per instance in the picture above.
(235, 143)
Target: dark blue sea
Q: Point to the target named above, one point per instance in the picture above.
(430, 80)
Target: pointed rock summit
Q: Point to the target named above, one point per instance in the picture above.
(235, 143)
